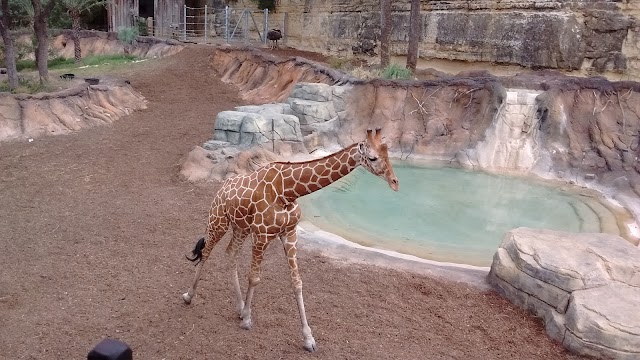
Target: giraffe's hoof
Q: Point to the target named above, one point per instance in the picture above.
(240, 308)
(187, 298)
(310, 345)
(246, 324)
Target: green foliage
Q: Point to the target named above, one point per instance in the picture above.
(59, 18)
(266, 4)
(396, 72)
(22, 15)
(127, 35)
(62, 63)
(142, 27)
(25, 85)
(81, 5)
(107, 59)
(25, 64)
(22, 50)
(55, 63)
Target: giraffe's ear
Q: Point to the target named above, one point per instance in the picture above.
(370, 135)
(378, 135)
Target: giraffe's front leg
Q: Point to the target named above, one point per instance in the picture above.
(259, 245)
(289, 241)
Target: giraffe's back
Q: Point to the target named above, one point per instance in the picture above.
(254, 201)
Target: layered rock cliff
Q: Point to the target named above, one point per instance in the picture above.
(555, 126)
(26, 116)
(595, 36)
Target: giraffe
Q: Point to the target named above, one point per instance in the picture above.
(263, 204)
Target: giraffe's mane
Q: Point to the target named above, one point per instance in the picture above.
(348, 148)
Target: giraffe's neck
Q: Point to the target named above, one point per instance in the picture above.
(300, 179)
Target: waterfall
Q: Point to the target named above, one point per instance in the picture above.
(511, 141)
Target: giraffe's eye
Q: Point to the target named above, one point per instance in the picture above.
(372, 158)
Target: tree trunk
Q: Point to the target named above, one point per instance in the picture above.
(415, 34)
(41, 28)
(75, 33)
(9, 48)
(385, 31)
(42, 49)
(10, 61)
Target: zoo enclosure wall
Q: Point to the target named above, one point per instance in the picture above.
(196, 21)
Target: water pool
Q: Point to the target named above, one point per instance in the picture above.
(448, 214)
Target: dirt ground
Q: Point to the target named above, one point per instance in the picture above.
(93, 231)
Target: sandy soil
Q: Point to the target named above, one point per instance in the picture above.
(93, 231)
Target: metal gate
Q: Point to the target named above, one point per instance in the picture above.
(207, 25)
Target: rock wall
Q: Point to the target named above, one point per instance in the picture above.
(437, 118)
(419, 117)
(25, 116)
(103, 43)
(594, 35)
(601, 123)
(576, 129)
(99, 43)
(263, 79)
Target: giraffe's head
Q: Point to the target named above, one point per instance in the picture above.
(375, 157)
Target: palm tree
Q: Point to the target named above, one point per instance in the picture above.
(9, 48)
(75, 8)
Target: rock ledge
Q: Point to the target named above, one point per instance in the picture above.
(586, 287)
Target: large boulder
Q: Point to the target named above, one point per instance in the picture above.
(217, 162)
(310, 112)
(586, 287)
(314, 103)
(256, 128)
(312, 91)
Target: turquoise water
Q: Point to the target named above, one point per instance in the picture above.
(444, 214)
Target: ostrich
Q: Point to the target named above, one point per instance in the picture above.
(274, 35)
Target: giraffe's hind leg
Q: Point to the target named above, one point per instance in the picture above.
(218, 226)
(233, 249)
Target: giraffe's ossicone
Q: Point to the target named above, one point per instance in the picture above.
(263, 204)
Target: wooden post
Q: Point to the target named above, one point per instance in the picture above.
(184, 31)
(285, 31)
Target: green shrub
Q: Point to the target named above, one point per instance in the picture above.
(395, 71)
(142, 27)
(127, 34)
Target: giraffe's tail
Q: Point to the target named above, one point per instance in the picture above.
(197, 251)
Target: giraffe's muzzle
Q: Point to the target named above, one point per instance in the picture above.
(393, 183)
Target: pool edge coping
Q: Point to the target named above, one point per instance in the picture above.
(337, 247)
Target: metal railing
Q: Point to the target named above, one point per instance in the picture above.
(205, 25)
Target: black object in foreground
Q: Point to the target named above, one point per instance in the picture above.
(110, 349)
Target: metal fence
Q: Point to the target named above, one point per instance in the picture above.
(208, 25)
